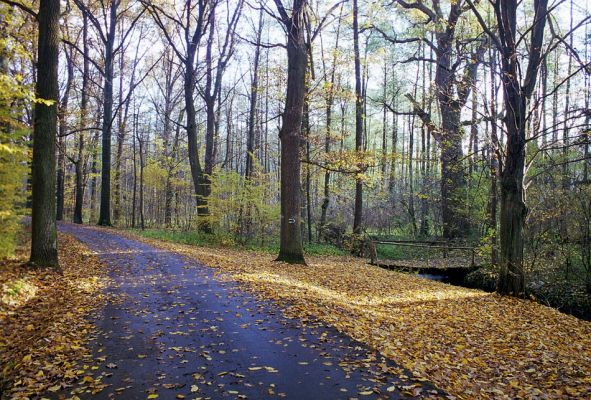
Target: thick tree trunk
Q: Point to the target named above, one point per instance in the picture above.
(453, 179)
(105, 209)
(291, 249)
(516, 96)
(44, 234)
(513, 209)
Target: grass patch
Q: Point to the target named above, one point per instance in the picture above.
(195, 238)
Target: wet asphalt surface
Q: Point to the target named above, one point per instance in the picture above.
(171, 329)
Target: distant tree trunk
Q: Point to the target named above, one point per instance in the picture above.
(384, 126)
(474, 133)
(329, 101)
(254, 88)
(141, 205)
(105, 208)
(134, 194)
(393, 180)
(61, 175)
(43, 232)
(425, 136)
(358, 210)
(213, 86)
(94, 180)
(170, 174)
(170, 152)
(63, 128)
(291, 249)
(494, 161)
(80, 163)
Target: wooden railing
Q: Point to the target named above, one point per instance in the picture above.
(444, 246)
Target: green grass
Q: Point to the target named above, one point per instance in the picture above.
(195, 238)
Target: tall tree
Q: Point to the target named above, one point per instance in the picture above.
(63, 127)
(330, 79)
(291, 249)
(184, 35)
(211, 92)
(254, 89)
(80, 162)
(359, 123)
(518, 86)
(452, 88)
(107, 33)
(43, 234)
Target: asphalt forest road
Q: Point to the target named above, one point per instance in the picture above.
(172, 329)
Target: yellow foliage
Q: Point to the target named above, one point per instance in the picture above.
(13, 143)
(235, 200)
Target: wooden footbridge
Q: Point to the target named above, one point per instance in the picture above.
(440, 257)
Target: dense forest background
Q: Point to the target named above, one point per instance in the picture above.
(169, 115)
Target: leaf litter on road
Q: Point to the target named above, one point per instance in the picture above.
(467, 342)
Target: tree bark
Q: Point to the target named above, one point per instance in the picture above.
(80, 163)
(358, 210)
(291, 249)
(516, 95)
(254, 88)
(43, 232)
(105, 206)
(329, 101)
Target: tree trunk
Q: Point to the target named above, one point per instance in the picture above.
(329, 101)
(194, 163)
(63, 128)
(254, 88)
(43, 232)
(80, 163)
(494, 162)
(291, 249)
(105, 208)
(94, 180)
(516, 96)
(358, 210)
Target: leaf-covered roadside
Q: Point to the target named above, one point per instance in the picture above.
(470, 343)
(43, 320)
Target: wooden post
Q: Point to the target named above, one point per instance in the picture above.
(373, 254)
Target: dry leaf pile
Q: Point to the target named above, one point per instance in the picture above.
(43, 320)
(470, 343)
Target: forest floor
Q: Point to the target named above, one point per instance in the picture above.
(248, 327)
(44, 324)
(470, 343)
